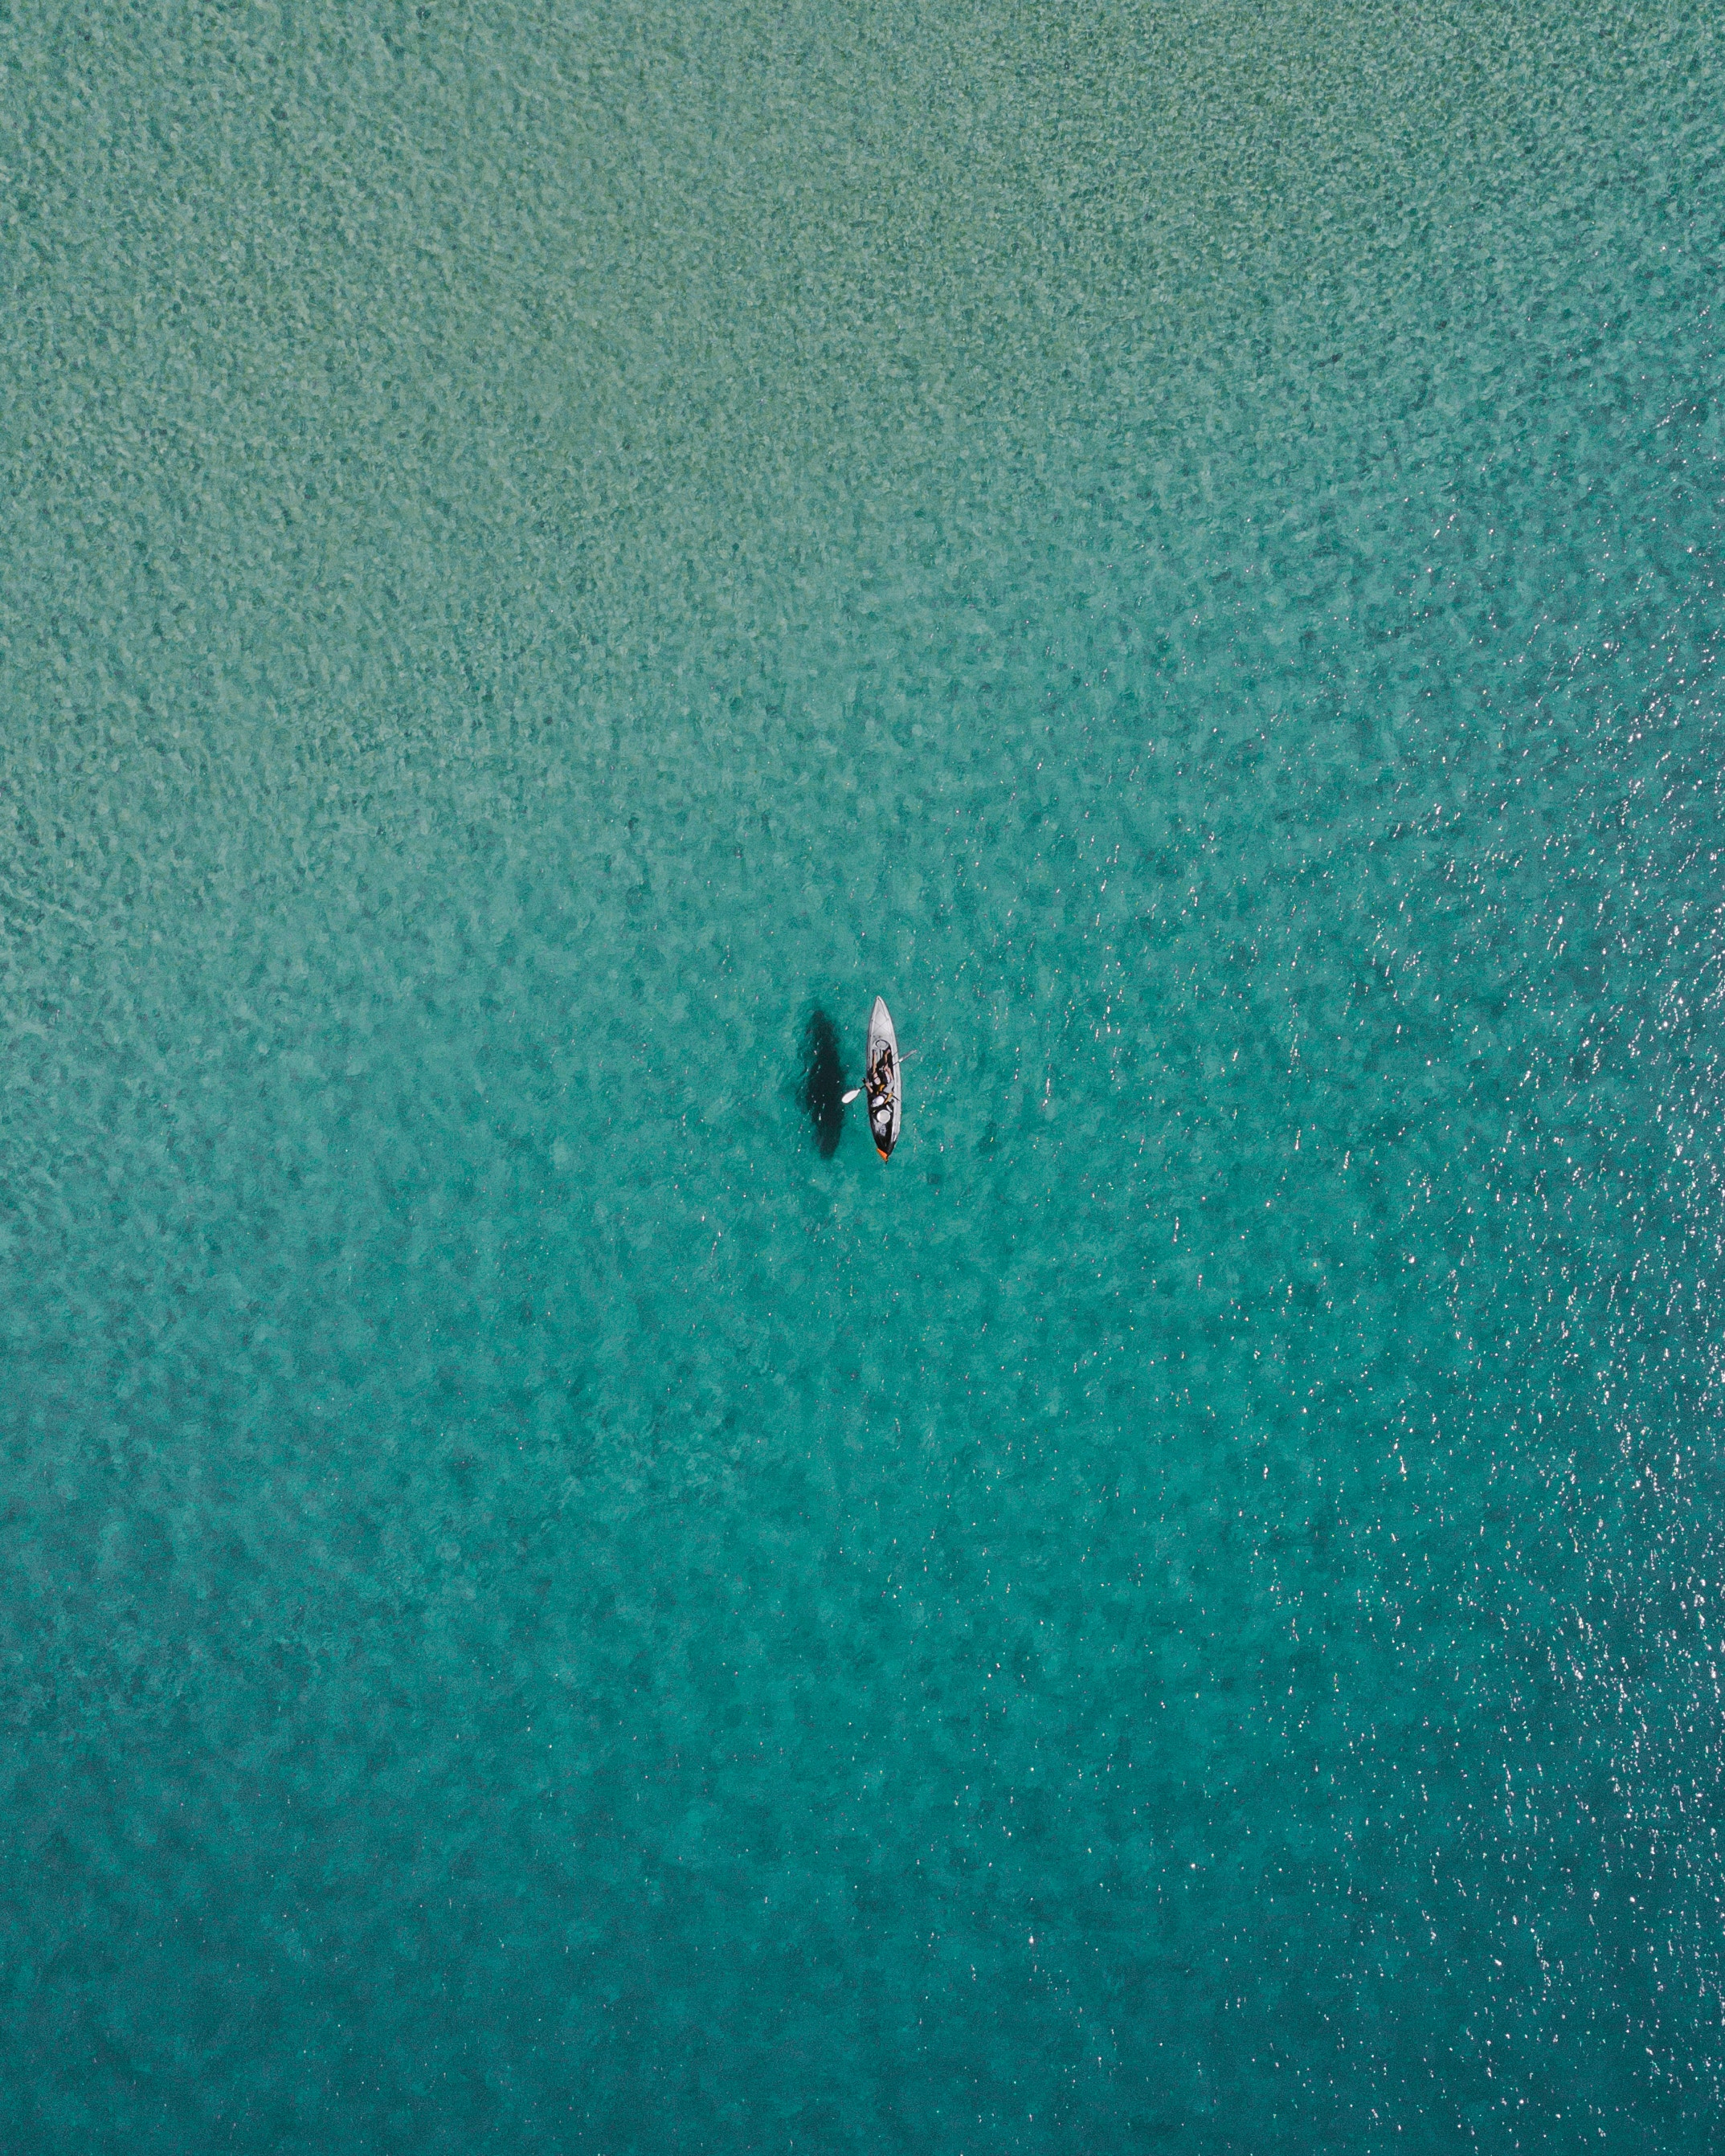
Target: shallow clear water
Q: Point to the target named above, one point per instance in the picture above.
(540, 1608)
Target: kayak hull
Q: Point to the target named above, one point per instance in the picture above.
(885, 1084)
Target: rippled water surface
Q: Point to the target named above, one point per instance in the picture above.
(546, 1600)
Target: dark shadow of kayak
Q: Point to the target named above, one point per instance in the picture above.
(822, 1087)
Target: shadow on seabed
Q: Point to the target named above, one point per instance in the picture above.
(823, 1082)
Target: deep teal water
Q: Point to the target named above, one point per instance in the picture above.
(542, 547)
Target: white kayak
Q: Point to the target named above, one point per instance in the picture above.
(885, 1087)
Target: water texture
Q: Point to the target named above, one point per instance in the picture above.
(548, 1600)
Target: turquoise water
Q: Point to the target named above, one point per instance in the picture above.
(548, 553)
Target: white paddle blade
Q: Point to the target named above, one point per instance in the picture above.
(845, 1098)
